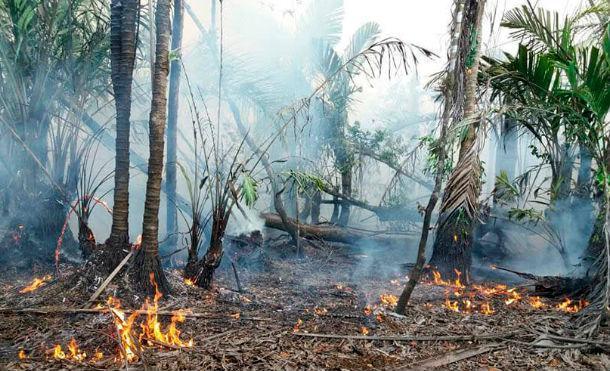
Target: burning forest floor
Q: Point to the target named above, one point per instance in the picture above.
(330, 310)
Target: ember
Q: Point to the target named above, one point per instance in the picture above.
(22, 354)
(36, 284)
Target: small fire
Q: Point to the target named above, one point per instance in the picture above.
(189, 282)
(36, 284)
(367, 310)
(364, 330)
(388, 300)
(486, 309)
(379, 317)
(73, 353)
(514, 296)
(569, 306)
(22, 354)
(151, 329)
(451, 305)
(438, 280)
(536, 303)
(297, 326)
(455, 238)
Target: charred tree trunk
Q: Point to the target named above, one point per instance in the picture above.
(172, 125)
(147, 262)
(123, 43)
(211, 261)
(455, 235)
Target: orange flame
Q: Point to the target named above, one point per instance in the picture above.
(569, 306)
(364, 330)
(36, 284)
(388, 300)
(189, 282)
(151, 329)
(22, 354)
(486, 309)
(297, 326)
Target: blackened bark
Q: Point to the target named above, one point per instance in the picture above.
(123, 43)
(147, 257)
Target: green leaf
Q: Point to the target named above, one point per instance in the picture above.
(249, 190)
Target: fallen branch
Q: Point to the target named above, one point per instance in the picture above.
(164, 313)
(107, 281)
(473, 337)
(335, 233)
(451, 357)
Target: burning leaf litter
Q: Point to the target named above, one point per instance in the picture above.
(36, 284)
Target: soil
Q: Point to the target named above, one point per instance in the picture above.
(334, 290)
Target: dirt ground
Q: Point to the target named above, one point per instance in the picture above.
(287, 306)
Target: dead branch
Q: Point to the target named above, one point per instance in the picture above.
(473, 337)
(335, 233)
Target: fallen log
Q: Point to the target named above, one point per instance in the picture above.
(337, 234)
(554, 286)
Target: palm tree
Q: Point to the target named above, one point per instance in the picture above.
(124, 15)
(149, 273)
(172, 122)
(454, 238)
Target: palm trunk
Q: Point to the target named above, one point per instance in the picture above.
(147, 263)
(172, 125)
(452, 252)
(123, 40)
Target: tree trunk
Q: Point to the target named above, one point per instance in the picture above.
(452, 252)
(123, 40)
(147, 262)
(204, 276)
(346, 189)
(315, 207)
(172, 125)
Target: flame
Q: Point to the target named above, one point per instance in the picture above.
(379, 317)
(364, 330)
(514, 296)
(455, 238)
(367, 310)
(486, 309)
(151, 329)
(36, 284)
(73, 353)
(297, 326)
(438, 280)
(569, 306)
(451, 305)
(22, 354)
(536, 303)
(58, 353)
(388, 300)
(189, 282)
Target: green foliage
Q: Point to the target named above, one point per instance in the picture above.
(306, 182)
(526, 215)
(249, 190)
